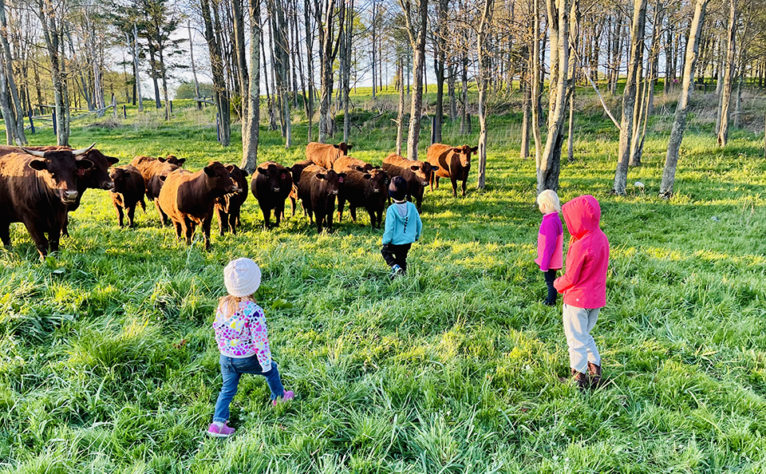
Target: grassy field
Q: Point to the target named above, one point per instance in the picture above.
(109, 362)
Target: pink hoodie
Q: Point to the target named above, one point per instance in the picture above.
(550, 243)
(584, 283)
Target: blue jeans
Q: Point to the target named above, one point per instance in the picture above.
(231, 370)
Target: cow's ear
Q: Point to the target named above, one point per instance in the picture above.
(181, 161)
(414, 167)
(163, 178)
(245, 173)
(434, 168)
(38, 165)
(320, 176)
(474, 149)
(112, 160)
(262, 171)
(367, 176)
(336, 147)
(229, 168)
(348, 147)
(84, 164)
(161, 159)
(360, 168)
(210, 171)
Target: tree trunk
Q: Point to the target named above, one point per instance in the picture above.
(418, 45)
(535, 79)
(451, 71)
(465, 126)
(309, 64)
(219, 81)
(723, 132)
(194, 69)
(136, 70)
(484, 72)
(250, 138)
(440, 58)
(54, 44)
(524, 149)
(328, 51)
(238, 22)
(11, 82)
(5, 106)
(400, 116)
(346, 69)
(629, 96)
(679, 121)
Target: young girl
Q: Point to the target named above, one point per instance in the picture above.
(584, 286)
(242, 337)
(550, 241)
(403, 227)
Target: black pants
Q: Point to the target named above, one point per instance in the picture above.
(396, 254)
(550, 275)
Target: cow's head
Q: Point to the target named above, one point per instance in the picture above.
(120, 178)
(238, 175)
(420, 174)
(344, 147)
(297, 169)
(97, 176)
(378, 180)
(173, 160)
(218, 180)
(464, 152)
(429, 170)
(60, 169)
(333, 181)
(278, 177)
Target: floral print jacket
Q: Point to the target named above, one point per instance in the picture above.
(244, 333)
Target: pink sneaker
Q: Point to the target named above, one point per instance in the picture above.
(223, 432)
(289, 395)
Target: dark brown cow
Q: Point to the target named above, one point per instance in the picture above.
(128, 191)
(317, 189)
(227, 207)
(345, 163)
(415, 173)
(36, 188)
(453, 162)
(154, 171)
(187, 198)
(324, 154)
(364, 189)
(271, 185)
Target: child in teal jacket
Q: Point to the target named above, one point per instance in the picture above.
(403, 227)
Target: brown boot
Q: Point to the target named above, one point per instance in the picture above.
(595, 374)
(581, 379)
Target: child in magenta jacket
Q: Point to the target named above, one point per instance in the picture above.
(584, 286)
(550, 241)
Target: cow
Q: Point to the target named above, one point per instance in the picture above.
(345, 163)
(271, 185)
(187, 198)
(128, 191)
(415, 173)
(95, 177)
(453, 162)
(324, 155)
(36, 188)
(364, 189)
(154, 171)
(227, 207)
(317, 189)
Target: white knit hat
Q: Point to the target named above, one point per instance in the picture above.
(242, 277)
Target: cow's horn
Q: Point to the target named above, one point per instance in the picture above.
(38, 153)
(82, 151)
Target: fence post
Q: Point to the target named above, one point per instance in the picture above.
(53, 116)
(171, 106)
(218, 127)
(124, 112)
(114, 106)
(433, 129)
(31, 123)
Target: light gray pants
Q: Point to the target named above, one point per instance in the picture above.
(578, 323)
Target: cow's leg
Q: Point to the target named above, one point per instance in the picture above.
(179, 229)
(163, 216)
(266, 217)
(431, 182)
(119, 213)
(206, 230)
(454, 186)
(5, 233)
(222, 220)
(292, 206)
(328, 216)
(188, 230)
(464, 185)
(341, 205)
(279, 212)
(352, 211)
(65, 226)
(53, 239)
(38, 238)
(371, 213)
(437, 182)
(131, 214)
(233, 222)
(319, 219)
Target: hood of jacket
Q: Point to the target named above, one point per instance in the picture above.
(402, 218)
(582, 215)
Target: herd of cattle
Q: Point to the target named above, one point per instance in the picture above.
(39, 186)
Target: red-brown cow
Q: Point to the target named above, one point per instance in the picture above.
(128, 191)
(36, 188)
(227, 207)
(154, 171)
(453, 162)
(187, 198)
(364, 189)
(324, 154)
(346, 163)
(317, 189)
(271, 185)
(415, 173)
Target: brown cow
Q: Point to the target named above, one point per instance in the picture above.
(36, 188)
(228, 207)
(271, 185)
(127, 192)
(324, 155)
(346, 163)
(187, 198)
(415, 173)
(364, 189)
(317, 189)
(453, 162)
(154, 171)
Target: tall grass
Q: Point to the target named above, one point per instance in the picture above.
(109, 362)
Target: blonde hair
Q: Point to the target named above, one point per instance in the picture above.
(228, 304)
(549, 200)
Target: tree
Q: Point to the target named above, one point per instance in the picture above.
(483, 79)
(53, 33)
(14, 119)
(440, 58)
(250, 138)
(329, 45)
(219, 81)
(723, 131)
(679, 120)
(417, 36)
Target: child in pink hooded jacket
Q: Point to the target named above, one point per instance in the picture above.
(584, 286)
(550, 241)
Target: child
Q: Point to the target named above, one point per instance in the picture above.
(242, 337)
(584, 286)
(403, 227)
(550, 241)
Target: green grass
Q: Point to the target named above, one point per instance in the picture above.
(109, 362)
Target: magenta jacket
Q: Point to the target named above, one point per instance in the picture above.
(584, 283)
(550, 243)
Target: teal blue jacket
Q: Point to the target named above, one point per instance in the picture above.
(400, 229)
